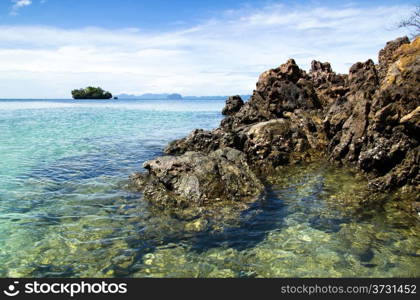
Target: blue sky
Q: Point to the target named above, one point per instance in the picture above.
(191, 47)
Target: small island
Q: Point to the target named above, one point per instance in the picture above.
(91, 93)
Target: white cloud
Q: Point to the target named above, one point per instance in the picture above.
(18, 4)
(220, 56)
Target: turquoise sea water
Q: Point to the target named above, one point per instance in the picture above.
(66, 208)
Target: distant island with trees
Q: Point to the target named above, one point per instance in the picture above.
(91, 93)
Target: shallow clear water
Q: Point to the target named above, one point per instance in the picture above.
(66, 208)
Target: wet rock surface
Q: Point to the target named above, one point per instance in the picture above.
(196, 179)
(368, 119)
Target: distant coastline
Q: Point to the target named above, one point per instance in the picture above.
(167, 96)
(131, 97)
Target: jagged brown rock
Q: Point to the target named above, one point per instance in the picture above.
(328, 85)
(387, 54)
(204, 141)
(369, 118)
(279, 90)
(233, 105)
(196, 179)
(348, 135)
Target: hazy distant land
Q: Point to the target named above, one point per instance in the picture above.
(174, 96)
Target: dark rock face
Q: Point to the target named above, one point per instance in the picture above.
(196, 179)
(233, 105)
(328, 85)
(372, 134)
(369, 118)
(347, 120)
(281, 141)
(279, 90)
(204, 141)
(387, 55)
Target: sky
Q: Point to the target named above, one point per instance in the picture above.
(207, 47)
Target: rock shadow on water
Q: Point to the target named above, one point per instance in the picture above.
(252, 227)
(328, 225)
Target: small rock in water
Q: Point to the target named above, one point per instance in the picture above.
(306, 238)
(197, 225)
(224, 273)
(148, 262)
(367, 256)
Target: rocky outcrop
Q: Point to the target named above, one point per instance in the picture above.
(279, 124)
(368, 118)
(233, 105)
(279, 90)
(282, 141)
(204, 141)
(376, 133)
(196, 179)
(328, 85)
(347, 119)
(387, 55)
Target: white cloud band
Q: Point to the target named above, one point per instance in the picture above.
(19, 4)
(220, 56)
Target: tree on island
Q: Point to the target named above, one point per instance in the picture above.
(91, 93)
